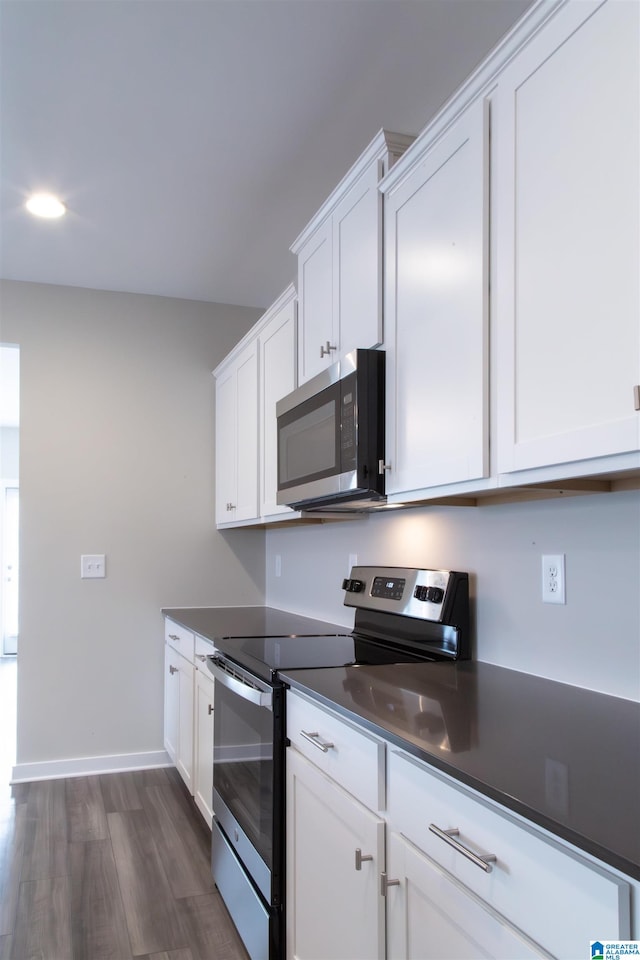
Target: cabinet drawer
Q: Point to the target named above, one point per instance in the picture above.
(350, 756)
(203, 649)
(180, 639)
(551, 893)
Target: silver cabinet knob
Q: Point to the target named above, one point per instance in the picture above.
(361, 857)
(326, 350)
(172, 669)
(385, 883)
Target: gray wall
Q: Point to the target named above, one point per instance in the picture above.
(592, 641)
(116, 457)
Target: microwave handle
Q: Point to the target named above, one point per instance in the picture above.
(262, 698)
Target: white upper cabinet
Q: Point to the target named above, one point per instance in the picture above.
(436, 309)
(340, 263)
(257, 373)
(277, 345)
(566, 127)
(237, 436)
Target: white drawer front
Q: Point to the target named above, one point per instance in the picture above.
(203, 649)
(354, 759)
(180, 639)
(553, 895)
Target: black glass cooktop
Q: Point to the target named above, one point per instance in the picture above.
(264, 656)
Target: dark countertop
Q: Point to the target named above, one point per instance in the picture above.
(565, 758)
(216, 623)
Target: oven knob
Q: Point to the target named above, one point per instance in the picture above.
(430, 594)
(352, 586)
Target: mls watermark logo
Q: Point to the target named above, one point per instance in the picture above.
(614, 949)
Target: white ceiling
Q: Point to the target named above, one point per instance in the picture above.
(194, 139)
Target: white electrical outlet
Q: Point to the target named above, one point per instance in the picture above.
(553, 578)
(92, 565)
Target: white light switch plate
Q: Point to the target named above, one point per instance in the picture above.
(92, 565)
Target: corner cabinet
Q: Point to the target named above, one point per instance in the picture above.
(340, 263)
(436, 208)
(250, 380)
(566, 123)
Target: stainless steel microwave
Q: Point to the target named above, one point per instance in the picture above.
(331, 437)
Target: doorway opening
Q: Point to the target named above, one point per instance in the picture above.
(9, 551)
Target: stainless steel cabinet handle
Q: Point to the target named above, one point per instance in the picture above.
(326, 350)
(172, 670)
(173, 636)
(385, 883)
(231, 506)
(483, 862)
(636, 397)
(361, 857)
(382, 466)
(210, 709)
(314, 738)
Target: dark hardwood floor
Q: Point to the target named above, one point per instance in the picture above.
(108, 867)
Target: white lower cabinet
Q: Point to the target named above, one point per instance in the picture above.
(335, 856)
(460, 878)
(431, 915)
(535, 892)
(188, 712)
(178, 699)
(203, 740)
(335, 839)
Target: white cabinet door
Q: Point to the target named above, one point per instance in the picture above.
(318, 346)
(566, 125)
(436, 287)
(203, 744)
(171, 701)
(334, 909)
(184, 751)
(357, 264)
(277, 344)
(247, 435)
(430, 916)
(178, 712)
(225, 445)
(237, 438)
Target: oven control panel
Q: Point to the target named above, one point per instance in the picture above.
(423, 594)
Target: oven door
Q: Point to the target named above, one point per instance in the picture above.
(248, 763)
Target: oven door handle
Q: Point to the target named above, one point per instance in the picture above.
(262, 698)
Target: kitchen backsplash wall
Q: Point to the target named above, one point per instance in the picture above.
(593, 641)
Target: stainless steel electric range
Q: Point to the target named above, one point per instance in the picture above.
(401, 615)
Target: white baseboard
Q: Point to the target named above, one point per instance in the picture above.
(85, 766)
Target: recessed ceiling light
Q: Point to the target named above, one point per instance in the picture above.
(45, 205)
